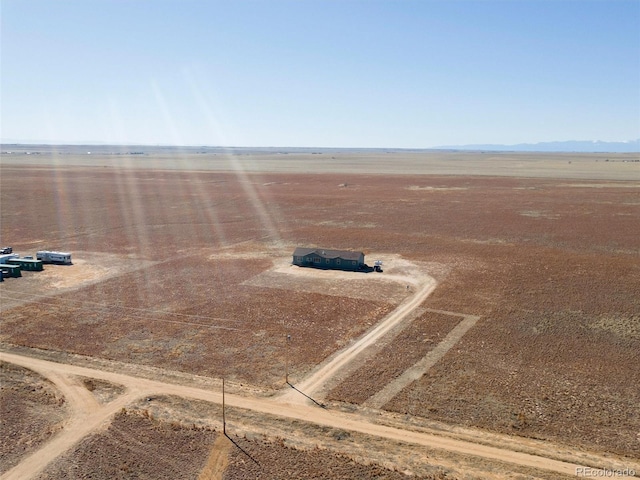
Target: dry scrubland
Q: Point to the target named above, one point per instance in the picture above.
(31, 412)
(552, 267)
(168, 438)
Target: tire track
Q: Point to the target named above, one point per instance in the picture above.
(421, 367)
(316, 383)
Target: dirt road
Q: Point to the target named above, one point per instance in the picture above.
(313, 385)
(89, 416)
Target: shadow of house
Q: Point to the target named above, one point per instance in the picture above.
(329, 259)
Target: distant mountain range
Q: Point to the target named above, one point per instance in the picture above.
(630, 146)
(582, 146)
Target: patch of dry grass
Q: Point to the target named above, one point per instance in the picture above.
(32, 410)
(555, 354)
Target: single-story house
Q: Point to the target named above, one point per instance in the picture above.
(329, 259)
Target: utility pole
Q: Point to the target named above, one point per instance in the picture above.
(286, 359)
(224, 421)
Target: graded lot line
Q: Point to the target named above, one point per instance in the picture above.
(415, 372)
(315, 384)
(85, 422)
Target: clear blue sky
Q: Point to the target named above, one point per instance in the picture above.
(349, 73)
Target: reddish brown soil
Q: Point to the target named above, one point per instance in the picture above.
(202, 321)
(408, 347)
(31, 412)
(551, 266)
(556, 357)
(260, 446)
(279, 461)
(136, 446)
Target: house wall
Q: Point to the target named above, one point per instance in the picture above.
(317, 261)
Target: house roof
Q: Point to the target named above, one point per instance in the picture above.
(326, 253)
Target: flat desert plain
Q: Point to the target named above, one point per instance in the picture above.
(501, 340)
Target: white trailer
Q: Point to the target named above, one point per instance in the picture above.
(54, 257)
(5, 258)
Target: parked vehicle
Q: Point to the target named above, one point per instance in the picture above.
(26, 264)
(5, 250)
(54, 257)
(5, 257)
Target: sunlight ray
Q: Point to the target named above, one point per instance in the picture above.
(64, 203)
(266, 211)
(193, 188)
